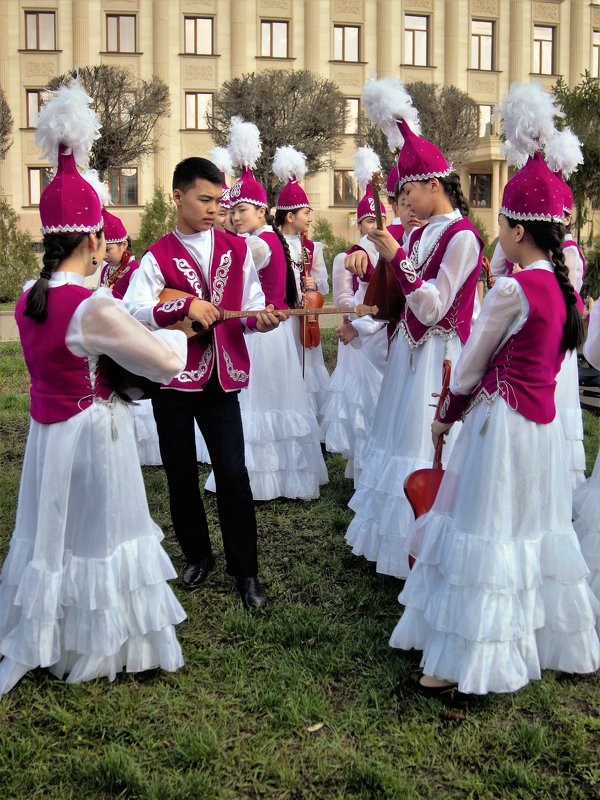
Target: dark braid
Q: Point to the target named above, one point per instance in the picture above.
(280, 217)
(57, 247)
(455, 194)
(291, 290)
(549, 236)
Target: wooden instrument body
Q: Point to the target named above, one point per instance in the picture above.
(310, 333)
(421, 487)
(383, 291)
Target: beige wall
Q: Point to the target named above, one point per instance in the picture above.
(81, 34)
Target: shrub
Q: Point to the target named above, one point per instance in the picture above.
(158, 218)
(17, 258)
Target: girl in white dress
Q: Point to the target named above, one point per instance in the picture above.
(498, 591)
(83, 589)
(586, 499)
(439, 284)
(293, 217)
(281, 434)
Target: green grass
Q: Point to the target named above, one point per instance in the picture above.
(234, 722)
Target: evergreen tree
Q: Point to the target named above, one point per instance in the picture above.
(18, 262)
(158, 218)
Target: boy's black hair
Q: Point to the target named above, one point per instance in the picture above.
(188, 171)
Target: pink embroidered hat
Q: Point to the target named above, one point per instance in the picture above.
(244, 149)
(114, 230)
(67, 126)
(534, 193)
(222, 160)
(289, 165)
(366, 206)
(391, 181)
(419, 159)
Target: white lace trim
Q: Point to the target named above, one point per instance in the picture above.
(414, 256)
(114, 241)
(235, 374)
(530, 217)
(425, 176)
(253, 202)
(293, 208)
(72, 228)
(192, 375)
(434, 330)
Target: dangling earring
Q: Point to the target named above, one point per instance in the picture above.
(94, 260)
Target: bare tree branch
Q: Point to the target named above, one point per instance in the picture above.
(128, 110)
(289, 107)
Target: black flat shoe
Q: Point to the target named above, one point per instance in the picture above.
(446, 694)
(252, 593)
(194, 575)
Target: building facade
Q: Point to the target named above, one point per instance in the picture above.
(480, 46)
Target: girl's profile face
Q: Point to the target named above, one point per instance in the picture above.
(300, 220)
(407, 216)
(247, 218)
(419, 198)
(506, 237)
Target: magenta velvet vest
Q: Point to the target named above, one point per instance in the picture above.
(273, 276)
(61, 384)
(459, 316)
(224, 346)
(397, 231)
(524, 370)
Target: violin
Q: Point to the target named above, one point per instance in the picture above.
(310, 334)
(111, 280)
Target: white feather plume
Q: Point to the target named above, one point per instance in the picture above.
(289, 163)
(563, 152)
(221, 158)
(102, 190)
(68, 119)
(386, 101)
(366, 164)
(528, 112)
(244, 143)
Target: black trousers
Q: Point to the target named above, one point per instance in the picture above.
(218, 416)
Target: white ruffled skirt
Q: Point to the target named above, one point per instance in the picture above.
(399, 443)
(83, 589)
(281, 434)
(586, 521)
(499, 589)
(352, 399)
(316, 376)
(568, 411)
(146, 435)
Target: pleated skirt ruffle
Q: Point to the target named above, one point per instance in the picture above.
(586, 521)
(568, 411)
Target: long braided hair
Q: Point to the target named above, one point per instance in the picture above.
(454, 191)
(57, 247)
(549, 236)
(291, 290)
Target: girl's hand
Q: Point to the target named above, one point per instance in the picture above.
(439, 429)
(346, 333)
(386, 245)
(308, 284)
(357, 263)
(268, 319)
(588, 304)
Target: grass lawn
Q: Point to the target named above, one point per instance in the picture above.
(300, 701)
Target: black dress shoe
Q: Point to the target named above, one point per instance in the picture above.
(194, 575)
(448, 694)
(252, 593)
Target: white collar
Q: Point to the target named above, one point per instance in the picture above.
(62, 277)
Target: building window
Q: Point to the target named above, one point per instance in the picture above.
(35, 100)
(274, 39)
(352, 112)
(416, 40)
(345, 189)
(39, 178)
(198, 35)
(120, 33)
(486, 127)
(482, 44)
(123, 185)
(346, 43)
(480, 191)
(198, 106)
(40, 30)
(543, 50)
(596, 54)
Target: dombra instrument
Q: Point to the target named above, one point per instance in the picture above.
(384, 290)
(421, 487)
(310, 334)
(191, 328)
